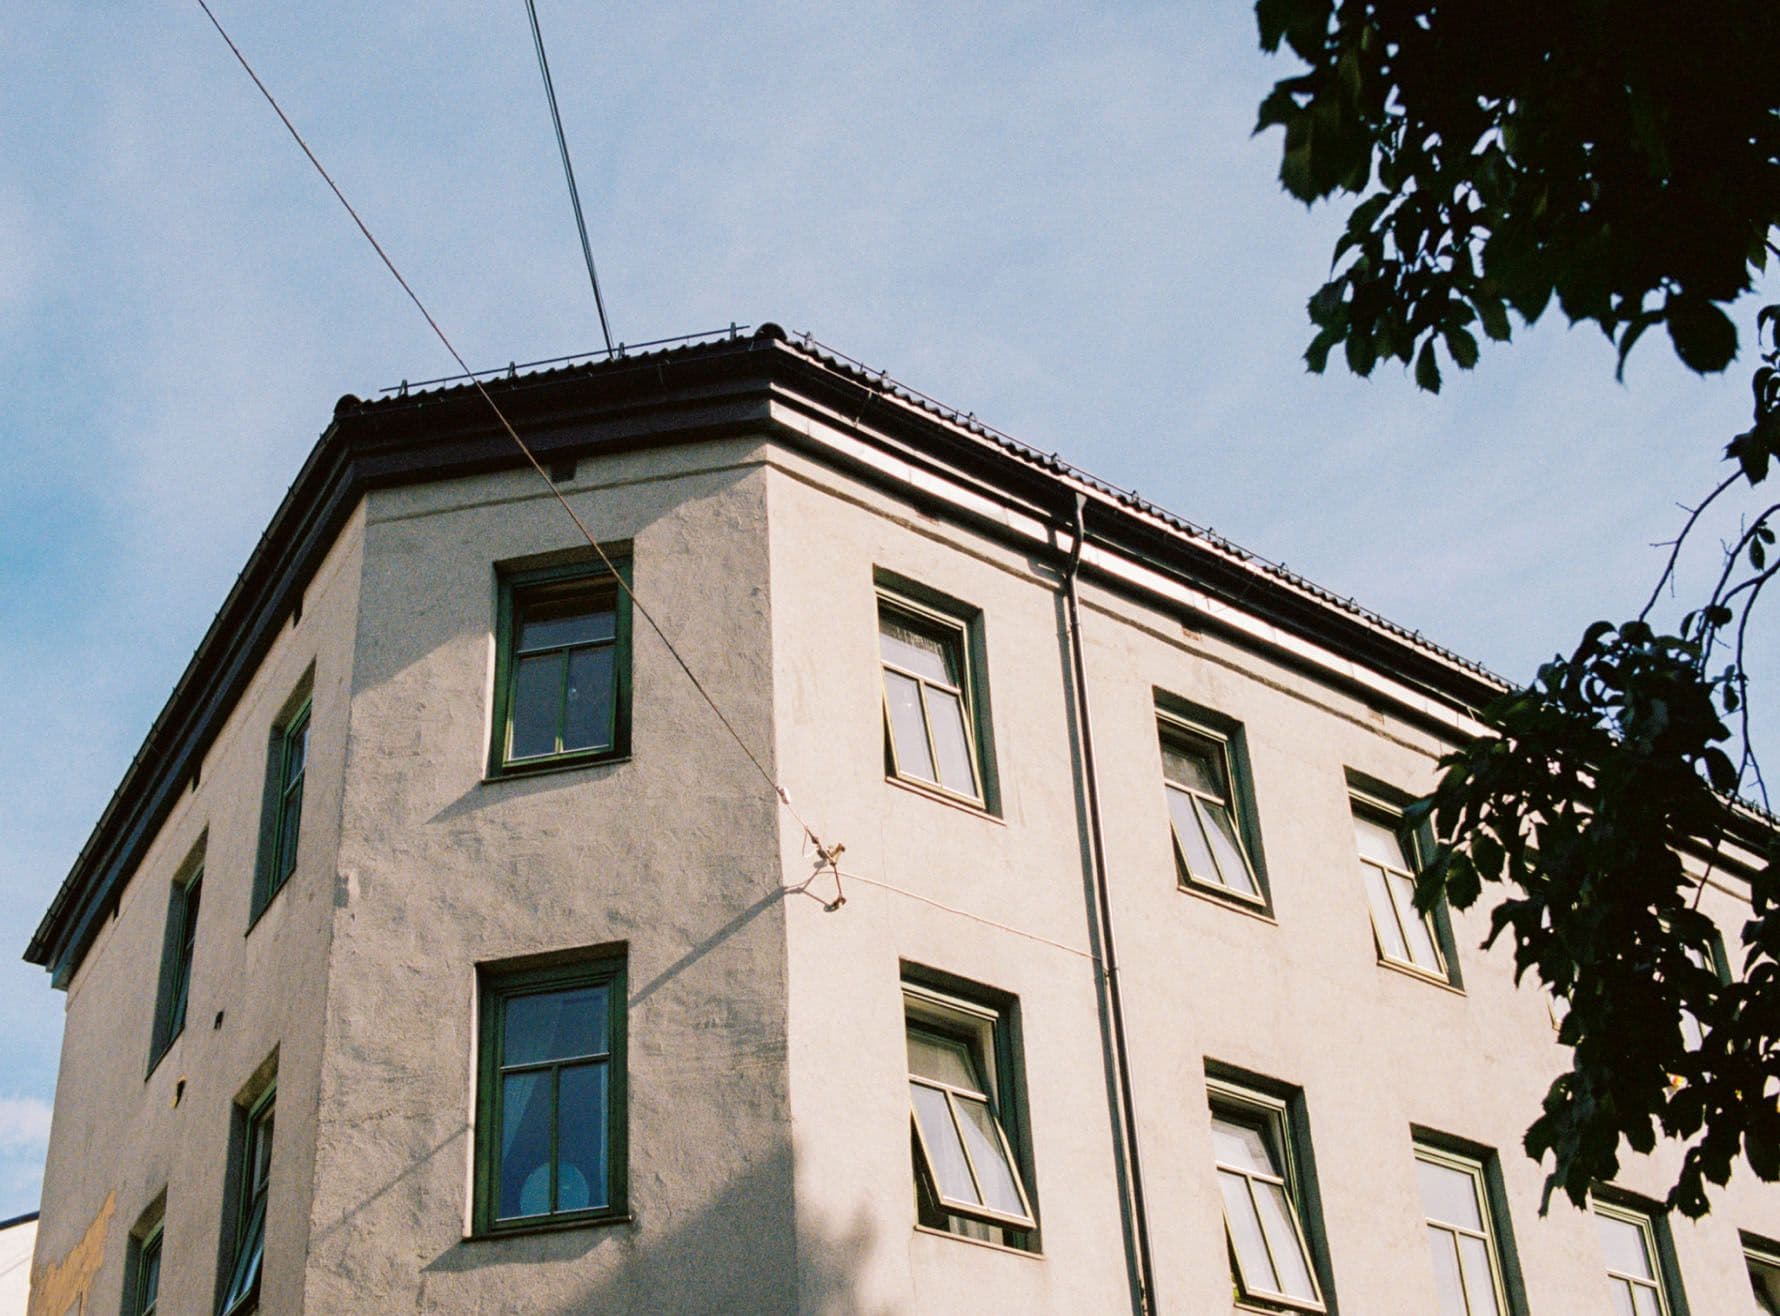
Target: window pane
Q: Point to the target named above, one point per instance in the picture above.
(587, 722)
(554, 624)
(1449, 1195)
(1480, 1281)
(290, 817)
(1000, 1190)
(1241, 1146)
(1384, 916)
(1623, 1243)
(1220, 831)
(537, 702)
(925, 655)
(581, 1138)
(1245, 1234)
(554, 1025)
(296, 749)
(1195, 765)
(1380, 843)
(1622, 1299)
(1644, 1302)
(1415, 926)
(148, 1289)
(525, 1144)
(908, 727)
(248, 1254)
(1446, 1273)
(956, 771)
(944, 1059)
(950, 1170)
(1282, 1239)
(1194, 852)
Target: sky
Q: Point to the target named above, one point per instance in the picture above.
(1056, 220)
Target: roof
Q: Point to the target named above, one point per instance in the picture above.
(732, 385)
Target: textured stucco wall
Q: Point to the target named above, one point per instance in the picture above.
(673, 851)
(1300, 998)
(120, 1139)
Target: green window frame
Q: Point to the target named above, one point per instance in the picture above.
(252, 1178)
(1389, 855)
(281, 816)
(1635, 1252)
(1273, 1263)
(1463, 1238)
(178, 950)
(1210, 815)
(143, 1297)
(972, 1165)
(933, 701)
(562, 683)
(1762, 1259)
(551, 1095)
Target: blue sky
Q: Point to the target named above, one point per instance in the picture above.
(1058, 221)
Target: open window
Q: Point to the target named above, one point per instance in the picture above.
(968, 1145)
(933, 700)
(252, 1175)
(1390, 857)
(178, 947)
(1212, 817)
(1260, 1180)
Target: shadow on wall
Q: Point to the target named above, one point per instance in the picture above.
(734, 1256)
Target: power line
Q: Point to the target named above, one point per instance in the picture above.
(753, 758)
(568, 170)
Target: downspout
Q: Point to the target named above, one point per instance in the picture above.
(1136, 1221)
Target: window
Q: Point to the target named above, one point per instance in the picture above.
(1630, 1244)
(176, 962)
(1270, 1256)
(142, 1293)
(1207, 815)
(252, 1176)
(1388, 862)
(930, 700)
(1461, 1234)
(968, 1145)
(287, 764)
(562, 669)
(550, 1114)
(1763, 1260)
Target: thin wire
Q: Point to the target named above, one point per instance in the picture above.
(568, 170)
(623, 585)
(962, 913)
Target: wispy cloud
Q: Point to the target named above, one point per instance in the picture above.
(24, 1125)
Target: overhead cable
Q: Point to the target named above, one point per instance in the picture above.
(568, 170)
(753, 758)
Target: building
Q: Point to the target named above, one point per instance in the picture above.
(17, 1237)
(438, 864)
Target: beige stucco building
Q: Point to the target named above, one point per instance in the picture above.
(438, 867)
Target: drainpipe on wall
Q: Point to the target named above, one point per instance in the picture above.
(1136, 1217)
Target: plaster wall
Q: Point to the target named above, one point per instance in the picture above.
(1299, 997)
(672, 851)
(119, 1142)
(15, 1267)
